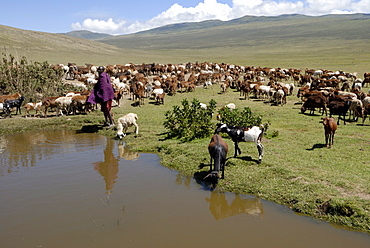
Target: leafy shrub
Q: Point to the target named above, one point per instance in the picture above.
(190, 121)
(30, 79)
(236, 117)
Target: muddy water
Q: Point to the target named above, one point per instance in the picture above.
(66, 189)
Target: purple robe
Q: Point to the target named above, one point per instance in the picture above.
(103, 90)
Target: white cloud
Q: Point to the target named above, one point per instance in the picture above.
(211, 9)
(101, 26)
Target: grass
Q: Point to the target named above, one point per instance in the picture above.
(297, 170)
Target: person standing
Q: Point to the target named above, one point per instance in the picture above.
(103, 93)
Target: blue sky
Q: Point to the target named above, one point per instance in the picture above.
(124, 17)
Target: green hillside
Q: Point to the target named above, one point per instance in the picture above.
(55, 48)
(330, 42)
(84, 34)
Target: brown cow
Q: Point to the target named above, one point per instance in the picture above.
(330, 126)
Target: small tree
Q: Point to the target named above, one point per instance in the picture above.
(190, 121)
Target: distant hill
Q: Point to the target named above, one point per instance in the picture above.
(248, 30)
(331, 42)
(84, 34)
(55, 48)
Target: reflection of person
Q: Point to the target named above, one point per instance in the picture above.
(103, 93)
(109, 167)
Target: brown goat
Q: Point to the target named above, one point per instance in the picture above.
(160, 98)
(218, 151)
(9, 97)
(330, 126)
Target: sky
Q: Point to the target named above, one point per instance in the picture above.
(118, 17)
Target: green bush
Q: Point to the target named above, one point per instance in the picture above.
(241, 118)
(30, 78)
(190, 121)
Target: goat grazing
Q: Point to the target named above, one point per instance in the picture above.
(243, 134)
(217, 149)
(330, 126)
(125, 122)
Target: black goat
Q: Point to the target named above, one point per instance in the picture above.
(15, 104)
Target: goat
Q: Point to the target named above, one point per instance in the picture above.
(79, 103)
(160, 98)
(245, 134)
(217, 149)
(32, 106)
(339, 108)
(15, 104)
(356, 109)
(9, 97)
(5, 108)
(330, 126)
(139, 95)
(125, 122)
(49, 102)
(63, 103)
(313, 102)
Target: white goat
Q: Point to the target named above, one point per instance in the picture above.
(356, 109)
(125, 122)
(63, 103)
(32, 106)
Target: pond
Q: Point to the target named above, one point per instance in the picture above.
(68, 189)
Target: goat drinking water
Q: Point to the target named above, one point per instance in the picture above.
(243, 134)
(217, 150)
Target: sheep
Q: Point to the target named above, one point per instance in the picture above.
(32, 106)
(17, 103)
(125, 122)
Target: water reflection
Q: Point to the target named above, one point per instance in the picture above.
(124, 152)
(108, 168)
(220, 207)
(24, 150)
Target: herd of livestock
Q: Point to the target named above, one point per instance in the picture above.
(338, 92)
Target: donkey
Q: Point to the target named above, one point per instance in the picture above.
(218, 151)
(243, 134)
